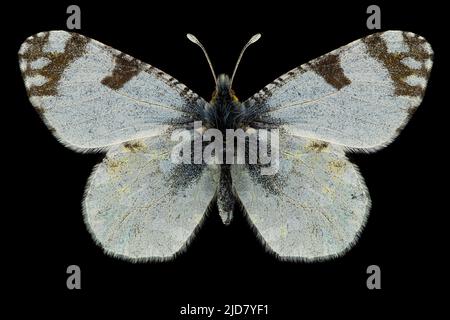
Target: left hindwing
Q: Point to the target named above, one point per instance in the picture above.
(139, 204)
(359, 96)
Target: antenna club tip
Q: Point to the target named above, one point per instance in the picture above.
(191, 37)
(255, 38)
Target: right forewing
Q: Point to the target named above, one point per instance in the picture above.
(359, 96)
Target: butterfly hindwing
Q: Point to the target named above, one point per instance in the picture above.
(359, 96)
(93, 96)
(313, 208)
(140, 205)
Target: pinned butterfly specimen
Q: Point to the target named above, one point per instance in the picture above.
(140, 205)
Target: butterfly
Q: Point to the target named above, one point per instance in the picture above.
(140, 205)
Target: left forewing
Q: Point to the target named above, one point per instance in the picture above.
(359, 96)
(92, 96)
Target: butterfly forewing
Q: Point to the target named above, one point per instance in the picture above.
(359, 96)
(93, 96)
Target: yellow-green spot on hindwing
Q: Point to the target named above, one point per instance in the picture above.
(115, 166)
(317, 146)
(336, 166)
(135, 146)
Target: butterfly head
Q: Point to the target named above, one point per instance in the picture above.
(223, 88)
(223, 81)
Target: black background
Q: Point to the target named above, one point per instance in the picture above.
(224, 265)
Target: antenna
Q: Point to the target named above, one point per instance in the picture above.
(251, 41)
(195, 40)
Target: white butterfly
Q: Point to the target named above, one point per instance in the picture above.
(139, 205)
